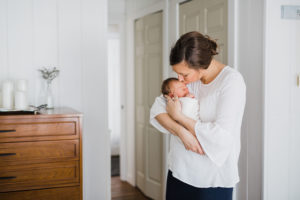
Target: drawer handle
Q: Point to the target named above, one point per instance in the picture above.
(7, 131)
(7, 154)
(7, 177)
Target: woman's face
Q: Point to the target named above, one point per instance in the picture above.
(186, 74)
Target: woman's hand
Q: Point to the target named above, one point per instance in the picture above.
(190, 142)
(173, 107)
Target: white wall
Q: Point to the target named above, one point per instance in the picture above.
(116, 11)
(133, 7)
(70, 34)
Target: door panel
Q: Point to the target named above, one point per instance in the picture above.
(190, 16)
(154, 156)
(139, 102)
(209, 17)
(215, 25)
(148, 78)
(139, 138)
(214, 16)
(154, 68)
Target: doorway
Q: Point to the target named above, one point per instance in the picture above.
(114, 104)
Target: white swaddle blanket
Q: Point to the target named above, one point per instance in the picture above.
(190, 107)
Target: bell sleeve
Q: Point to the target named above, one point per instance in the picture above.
(158, 107)
(217, 137)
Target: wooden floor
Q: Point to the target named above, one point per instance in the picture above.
(121, 190)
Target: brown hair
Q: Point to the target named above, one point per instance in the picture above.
(165, 87)
(194, 48)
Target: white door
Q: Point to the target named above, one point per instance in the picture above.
(294, 137)
(148, 78)
(209, 17)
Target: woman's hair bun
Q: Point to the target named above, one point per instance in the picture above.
(195, 48)
(212, 45)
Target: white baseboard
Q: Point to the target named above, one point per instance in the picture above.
(130, 179)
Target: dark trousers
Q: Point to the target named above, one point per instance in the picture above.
(178, 190)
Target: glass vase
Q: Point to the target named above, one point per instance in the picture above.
(49, 98)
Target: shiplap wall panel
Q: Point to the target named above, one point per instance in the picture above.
(69, 46)
(19, 41)
(70, 34)
(45, 44)
(34, 34)
(45, 19)
(19, 36)
(250, 64)
(3, 40)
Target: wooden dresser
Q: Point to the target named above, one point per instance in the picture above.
(41, 156)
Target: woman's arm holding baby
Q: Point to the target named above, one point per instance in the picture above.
(174, 110)
(189, 140)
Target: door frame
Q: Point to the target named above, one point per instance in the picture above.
(170, 9)
(123, 144)
(130, 88)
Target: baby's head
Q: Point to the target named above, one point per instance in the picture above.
(172, 86)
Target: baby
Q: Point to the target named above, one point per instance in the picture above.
(189, 105)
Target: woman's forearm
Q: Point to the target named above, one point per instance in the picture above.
(168, 123)
(173, 127)
(189, 140)
(187, 122)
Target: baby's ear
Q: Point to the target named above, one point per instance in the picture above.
(171, 95)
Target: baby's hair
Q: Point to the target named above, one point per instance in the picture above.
(165, 87)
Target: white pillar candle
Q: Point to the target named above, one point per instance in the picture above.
(21, 85)
(7, 95)
(21, 102)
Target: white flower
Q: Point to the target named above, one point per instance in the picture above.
(49, 74)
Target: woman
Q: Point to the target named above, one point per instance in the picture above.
(203, 157)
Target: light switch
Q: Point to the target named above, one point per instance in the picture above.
(290, 12)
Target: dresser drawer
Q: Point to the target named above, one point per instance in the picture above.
(36, 176)
(66, 193)
(38, 129)
(37, 152)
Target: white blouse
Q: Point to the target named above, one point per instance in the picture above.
(218, 130)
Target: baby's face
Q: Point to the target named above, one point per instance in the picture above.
(178, 88)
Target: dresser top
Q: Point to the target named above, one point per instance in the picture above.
(45, 113)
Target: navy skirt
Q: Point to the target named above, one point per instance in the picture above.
(177, 189)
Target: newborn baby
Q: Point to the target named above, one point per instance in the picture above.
(189, 105)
